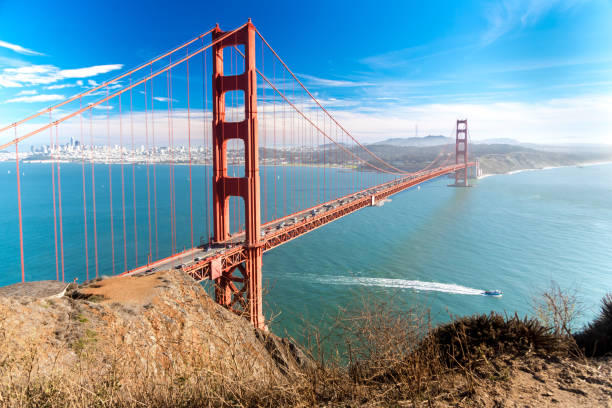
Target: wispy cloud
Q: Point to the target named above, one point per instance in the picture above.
(163, 99)
(508, 15)
(89, 71)
(538, 64)
(103, 107)
(18, 48)
(36, 98)
(47, 74)
(553, 120)
(334, 83)
(60, 86)
(27, 92)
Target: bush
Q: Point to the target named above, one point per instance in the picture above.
(558, 309)
(596, 338)
(470, 340)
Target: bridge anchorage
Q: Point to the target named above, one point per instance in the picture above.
(297, 170)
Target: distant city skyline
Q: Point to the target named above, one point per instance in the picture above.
(530, 70)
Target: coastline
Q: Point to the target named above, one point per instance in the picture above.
(545, 168)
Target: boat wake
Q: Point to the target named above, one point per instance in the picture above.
(401, 284)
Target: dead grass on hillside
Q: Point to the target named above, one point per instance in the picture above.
(103, 363)
(388, 356)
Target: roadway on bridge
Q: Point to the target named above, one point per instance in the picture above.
(198, 258)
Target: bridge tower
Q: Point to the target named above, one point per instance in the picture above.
(461, 153)
(239, 286)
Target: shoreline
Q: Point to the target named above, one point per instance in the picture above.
(589, 164)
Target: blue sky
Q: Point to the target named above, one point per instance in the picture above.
(533, 70)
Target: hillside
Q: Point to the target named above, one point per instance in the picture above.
(120, 338)
(157, 340)
(493, 158)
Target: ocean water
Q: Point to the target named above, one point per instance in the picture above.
(439, 247)
(433, 246)
(135, 215)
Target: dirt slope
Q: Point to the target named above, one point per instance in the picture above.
(152, 327)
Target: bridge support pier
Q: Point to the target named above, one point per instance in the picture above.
(239, 286)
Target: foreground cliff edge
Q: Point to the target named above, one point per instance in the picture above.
(157, 339)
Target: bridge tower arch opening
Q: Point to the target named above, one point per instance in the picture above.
(461, 153)
(239, 286)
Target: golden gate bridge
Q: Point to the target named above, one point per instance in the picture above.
(238, 108)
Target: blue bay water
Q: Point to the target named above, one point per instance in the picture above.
(436, 246)
(138, 229)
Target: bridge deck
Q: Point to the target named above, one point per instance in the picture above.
(198, 262)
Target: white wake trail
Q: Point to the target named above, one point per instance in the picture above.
(400, 283)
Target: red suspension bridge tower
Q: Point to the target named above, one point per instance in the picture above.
(248, 299)
(461, 153)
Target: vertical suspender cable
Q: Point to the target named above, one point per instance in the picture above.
(263, 119)
(150, 255)
(19, 207)
(93, 190)
(125, 267)
(205, 136)
(59, 195)
(52, 149)
(170, 163)
(110, 183)
(274, 147)
(81, 140)
(133, 177)
(189, 148)
(154, 170)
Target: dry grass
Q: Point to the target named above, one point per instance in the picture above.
(375, 354)
(181, 350)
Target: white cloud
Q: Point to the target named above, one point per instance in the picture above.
(334, 83)
(103, 107)
(89, 71)
(30, 75)
(579, 119)
(60, 86)
(27, 92)
(163, 99)
(91, 82)
(18, 48)
(79, 82)
(507, 15)
(48, 74)
(36, 98)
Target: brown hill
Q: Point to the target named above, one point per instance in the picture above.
(158, 340)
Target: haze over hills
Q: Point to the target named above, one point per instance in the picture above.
(430, 140)
(495, 155)
(436, 140)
